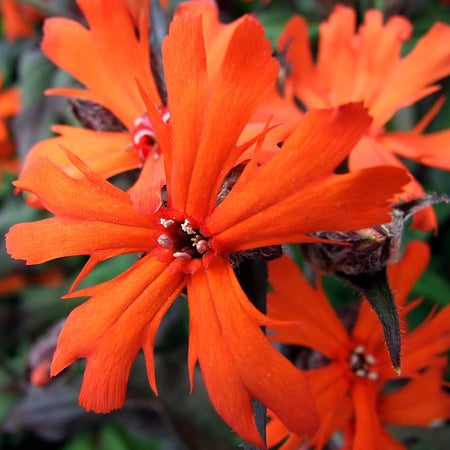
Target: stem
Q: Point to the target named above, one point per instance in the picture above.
(252, 275)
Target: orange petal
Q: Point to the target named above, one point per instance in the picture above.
(293, 298)
(110, 333)
(378, 50)
(430, 149)
(326, 205)
(369, 433)
(216, 34)
(107, 153)
(243, 372)
(247, 71)
(421, 402)
(404, 274)
(294, 43)
(370, 153)
(146, 192)
(426, 342)
(185, 71)
(9, 102)
(331, 133)
(330, 386)
(15, 24)
(78, 198)
(105, 61)
(207, 148)
(427, 63)
(47, 239)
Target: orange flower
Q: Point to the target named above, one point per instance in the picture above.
(187, 241)
(18, 19)
(9, 106)
(348, 390)
(366, 65)
(109, 64)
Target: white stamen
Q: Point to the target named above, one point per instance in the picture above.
(165, 241)
(372, 376)
(354, 359)
(143, 133)
(166, 223)
(202, 246)
(186, 227)
(359, 349)
(361, 373)
(370, 359)
(182, 255)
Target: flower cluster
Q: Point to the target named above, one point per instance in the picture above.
(198, 151)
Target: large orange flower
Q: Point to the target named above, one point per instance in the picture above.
(187, 241)
(348, 390)
(366, 65)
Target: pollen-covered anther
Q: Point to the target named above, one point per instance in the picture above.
(166, 223)
(183, 238)
(187, 228)
(182, 255)
(165, 241)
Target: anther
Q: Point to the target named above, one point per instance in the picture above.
(165, 241)
(166, 223)
(372, 376)
(182, 255)
(202, 246)
(186, 227)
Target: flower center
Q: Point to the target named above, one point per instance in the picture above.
(144, 137)
(362, 363)
(183, 239)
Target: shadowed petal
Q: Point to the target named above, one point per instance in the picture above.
(419, 403)
(320, 328)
